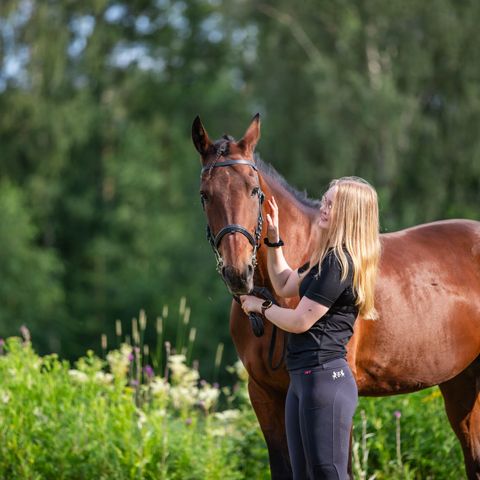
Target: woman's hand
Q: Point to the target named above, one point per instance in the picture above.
(251, 304)
(272, 221)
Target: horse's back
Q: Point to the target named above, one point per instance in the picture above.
(428, 299)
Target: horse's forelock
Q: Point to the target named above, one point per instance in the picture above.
(222, 146)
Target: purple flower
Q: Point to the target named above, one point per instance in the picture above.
(188, 421)
(148, 371)
(397, 413)
(130, 357)
(216, 385)
(203, 382)
(134, 383)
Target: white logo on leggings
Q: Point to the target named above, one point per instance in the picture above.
(338, 374)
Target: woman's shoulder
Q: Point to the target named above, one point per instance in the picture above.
(332, 260)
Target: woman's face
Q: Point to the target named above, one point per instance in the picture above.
(326, 208)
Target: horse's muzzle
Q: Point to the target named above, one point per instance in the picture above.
(238, 282)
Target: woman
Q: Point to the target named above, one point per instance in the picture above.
(334, 287)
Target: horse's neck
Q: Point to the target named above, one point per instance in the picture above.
(296, 226)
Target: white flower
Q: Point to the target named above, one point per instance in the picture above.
(208, 396)
(226, 427)
(78, 376)
(159, 387)
(119, 361)
(227, 415)
(105, 378)
(142, 419)
(4, 396)
(183, 397)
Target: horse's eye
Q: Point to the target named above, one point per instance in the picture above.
(255, 191)
(203, 199)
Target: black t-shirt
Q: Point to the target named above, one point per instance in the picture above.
(326, 339)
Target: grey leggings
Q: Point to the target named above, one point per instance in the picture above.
(320, 405)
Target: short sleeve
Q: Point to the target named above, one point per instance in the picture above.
(327, 286)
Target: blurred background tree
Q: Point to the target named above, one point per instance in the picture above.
(99, 204)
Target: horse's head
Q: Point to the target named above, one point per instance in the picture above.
(232, 200)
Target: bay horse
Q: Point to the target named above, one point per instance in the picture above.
(427, 296)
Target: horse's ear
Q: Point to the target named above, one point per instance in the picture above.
(200, 136)
(252, 135)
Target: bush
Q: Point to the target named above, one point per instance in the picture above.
(99, 421)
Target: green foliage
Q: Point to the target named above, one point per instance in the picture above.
(63, 423)
(405, 437)
(25, 271)
(58, 422)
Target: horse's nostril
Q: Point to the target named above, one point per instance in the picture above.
(223, 271)
(250, 269)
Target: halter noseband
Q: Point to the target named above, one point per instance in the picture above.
(254, 240)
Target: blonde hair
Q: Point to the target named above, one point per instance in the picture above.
(354, 225)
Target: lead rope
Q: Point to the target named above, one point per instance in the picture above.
(256, 320)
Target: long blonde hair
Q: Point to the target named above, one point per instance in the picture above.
(354, 225)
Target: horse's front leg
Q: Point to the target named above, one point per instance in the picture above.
(269, 406)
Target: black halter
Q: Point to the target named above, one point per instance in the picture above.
(254, 240)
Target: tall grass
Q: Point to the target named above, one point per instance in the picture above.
(142, 413)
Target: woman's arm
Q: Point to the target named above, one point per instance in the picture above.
(297, 320)
(284, 280)
(321, 294)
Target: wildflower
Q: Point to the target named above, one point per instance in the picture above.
(239, 370)
(226, 391)
(159, 388)
(227, 415)
(105, 378)
(148, 370)
(183, 397)
(119, 361)
(142, 419)
(188, 421)
(4, 396)
(226, 425)
(25, 333)
(78, 376)
(397, 414)
(208, 397)
(181, 374)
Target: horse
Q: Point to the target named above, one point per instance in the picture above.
(427, 296)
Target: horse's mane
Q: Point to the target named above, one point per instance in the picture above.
(270, 171)
(222, 145)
